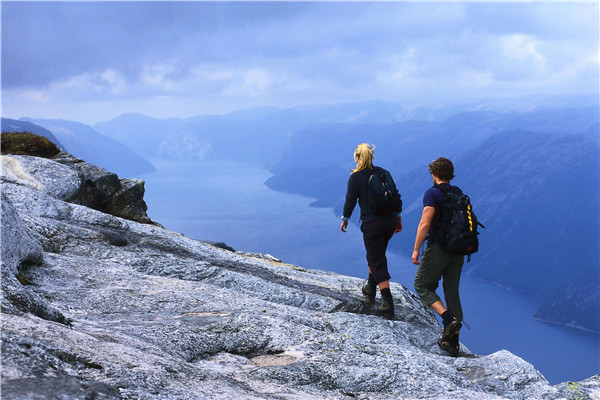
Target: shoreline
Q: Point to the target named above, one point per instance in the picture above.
(596, 333)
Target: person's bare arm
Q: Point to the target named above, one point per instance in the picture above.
(422, 230)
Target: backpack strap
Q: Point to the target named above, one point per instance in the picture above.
(433, 234)
(448, 188)
(433, 231)
(457, 190)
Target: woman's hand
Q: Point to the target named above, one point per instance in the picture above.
(344, 226)
(399, 226)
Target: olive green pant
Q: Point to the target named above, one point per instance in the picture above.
(436, 263)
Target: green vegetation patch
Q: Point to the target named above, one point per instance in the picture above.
(27, 143)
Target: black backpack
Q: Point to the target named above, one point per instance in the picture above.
(385, 198)
(456, 230)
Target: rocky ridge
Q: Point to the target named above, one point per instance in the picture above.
(97, 304)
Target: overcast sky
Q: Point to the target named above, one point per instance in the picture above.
(92, 61)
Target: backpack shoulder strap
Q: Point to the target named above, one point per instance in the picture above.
(441, 189)
(448, 188)
(378, 172)
(368, 171)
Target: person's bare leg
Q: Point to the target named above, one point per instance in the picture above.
(438, 307)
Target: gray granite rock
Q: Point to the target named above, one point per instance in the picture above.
(98, 186)
(20, 254)
(68, 178)
(128, 201)
(156, 315)
(47, 176)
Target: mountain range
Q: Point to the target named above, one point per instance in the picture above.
(260, 135)
(13, 125)
(84, 142)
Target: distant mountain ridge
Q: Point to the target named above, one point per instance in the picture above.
(86, 143)
(13, 125)
(260, 135)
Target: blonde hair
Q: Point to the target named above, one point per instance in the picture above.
(363, 155)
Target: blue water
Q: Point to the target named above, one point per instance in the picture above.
(228, 201)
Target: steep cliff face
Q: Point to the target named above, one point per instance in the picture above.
(98, 306)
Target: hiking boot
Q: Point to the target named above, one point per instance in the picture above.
(386, 309)
(369, 291)
(452, 349)
(451, 329)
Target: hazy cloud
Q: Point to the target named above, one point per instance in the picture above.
(219, 56)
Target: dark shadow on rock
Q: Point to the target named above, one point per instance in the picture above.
(106, 192)
(221, 245)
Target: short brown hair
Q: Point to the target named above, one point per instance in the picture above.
(442, 168)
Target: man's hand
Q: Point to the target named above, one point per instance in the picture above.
(415, 257)
(399, 226)
(344, 226)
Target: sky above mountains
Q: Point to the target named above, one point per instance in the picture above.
(91, 61)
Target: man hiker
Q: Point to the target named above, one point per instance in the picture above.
(436, 263)
(380, 214)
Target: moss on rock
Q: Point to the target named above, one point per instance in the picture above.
(27, 143)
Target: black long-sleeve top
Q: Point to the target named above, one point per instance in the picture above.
(358, 189)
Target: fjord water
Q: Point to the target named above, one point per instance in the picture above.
(227, 201)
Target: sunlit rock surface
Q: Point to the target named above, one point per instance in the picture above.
(97, 306)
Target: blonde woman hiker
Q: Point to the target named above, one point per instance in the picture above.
(381, 217)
